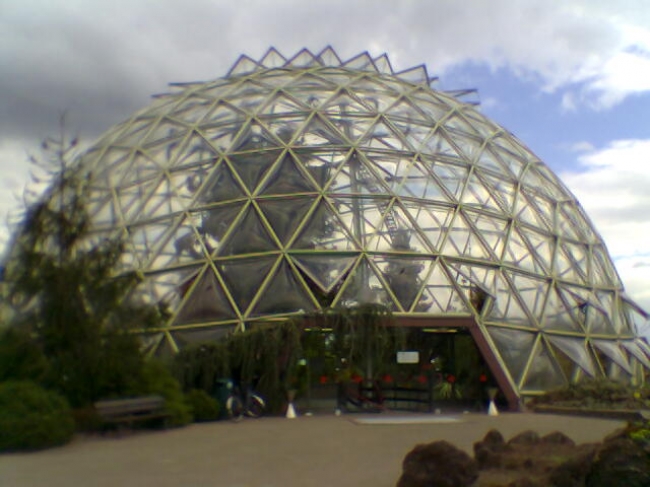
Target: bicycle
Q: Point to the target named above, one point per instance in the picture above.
(243, 403)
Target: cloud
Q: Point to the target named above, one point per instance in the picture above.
(612, 186)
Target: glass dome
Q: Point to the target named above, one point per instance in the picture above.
(293, 185)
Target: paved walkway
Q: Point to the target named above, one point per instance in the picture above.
(322, 450)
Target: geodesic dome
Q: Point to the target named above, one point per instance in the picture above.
(293, 185)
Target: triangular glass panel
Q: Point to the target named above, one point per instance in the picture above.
(243, 65)
(144, 241)
(327, 271)
(569, 222)
(285, 215)
(529, 213)
(493, 231)
(131, 198)
(221, 138)
(634, 350)
(612, 350)
(514, 163)
(416, 75)
(414, 133)
(451, 177)
(404, 276)
(544, 373)
(322, 165)
(438, 145)
(477, 196)
(461, 128)
(206, 302)
(252, 167)
(576, 350)
(220, 187)
(486, 160)
(283, 294)
(225, 113)
(363, 176)
(515, 348)
(416, 182)
(542, 246)
(462, 241)
(318, 133)
(346, 104)
(364, 286)
(244, 277)
(501, 190)
(287, 178)
(404, 109)
(212, 224)
(360, 62)
(383, 64)
(193, 109)
(282, 104)
(557, 316)
(432, 221)
(518, 254)
(506, 307)
(325, 231)
(394, 232)
(184, 245)
(247, 236)
(597, 321)
(255, 137)
(553, 186)
(303, 59)
(328, 57)
(382, 137)
(440, 295)
(572, 262)
(273, 59)
(196, 150)
(434, 111)
(603, 269)
(532, 292)
(167, 193)
(166, 130)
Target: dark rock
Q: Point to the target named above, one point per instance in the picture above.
(486, 457)
(557, 438)
(525, 438)
(487, 452)
(573, 472)
(437, 464)
(620, 461)
(494, 439)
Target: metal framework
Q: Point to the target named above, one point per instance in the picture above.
(291, 185)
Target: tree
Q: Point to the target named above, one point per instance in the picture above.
(66, 293)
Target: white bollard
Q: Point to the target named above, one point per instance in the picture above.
(492, 409)
(291, 411)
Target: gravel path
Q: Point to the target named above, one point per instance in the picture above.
(322, 450)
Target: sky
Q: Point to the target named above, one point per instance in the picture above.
(570, 78)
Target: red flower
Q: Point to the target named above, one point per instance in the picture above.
(482, 378)
(356, 378)
(323, 379)
(451, 378)
(422, 379)
(387, 378)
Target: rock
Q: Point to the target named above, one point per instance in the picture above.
(620, 461)
(574, 471)
(524, 438)
(487, 452)
(557, 438)
(437, 464)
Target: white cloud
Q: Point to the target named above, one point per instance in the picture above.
(613, 189)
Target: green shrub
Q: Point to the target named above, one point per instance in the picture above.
(157, 379)
(204, 407)
(20, 357)
(32, 418)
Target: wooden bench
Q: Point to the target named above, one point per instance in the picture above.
(131, 410)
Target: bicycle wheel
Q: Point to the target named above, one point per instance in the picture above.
(256, 406)
(235, 408)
